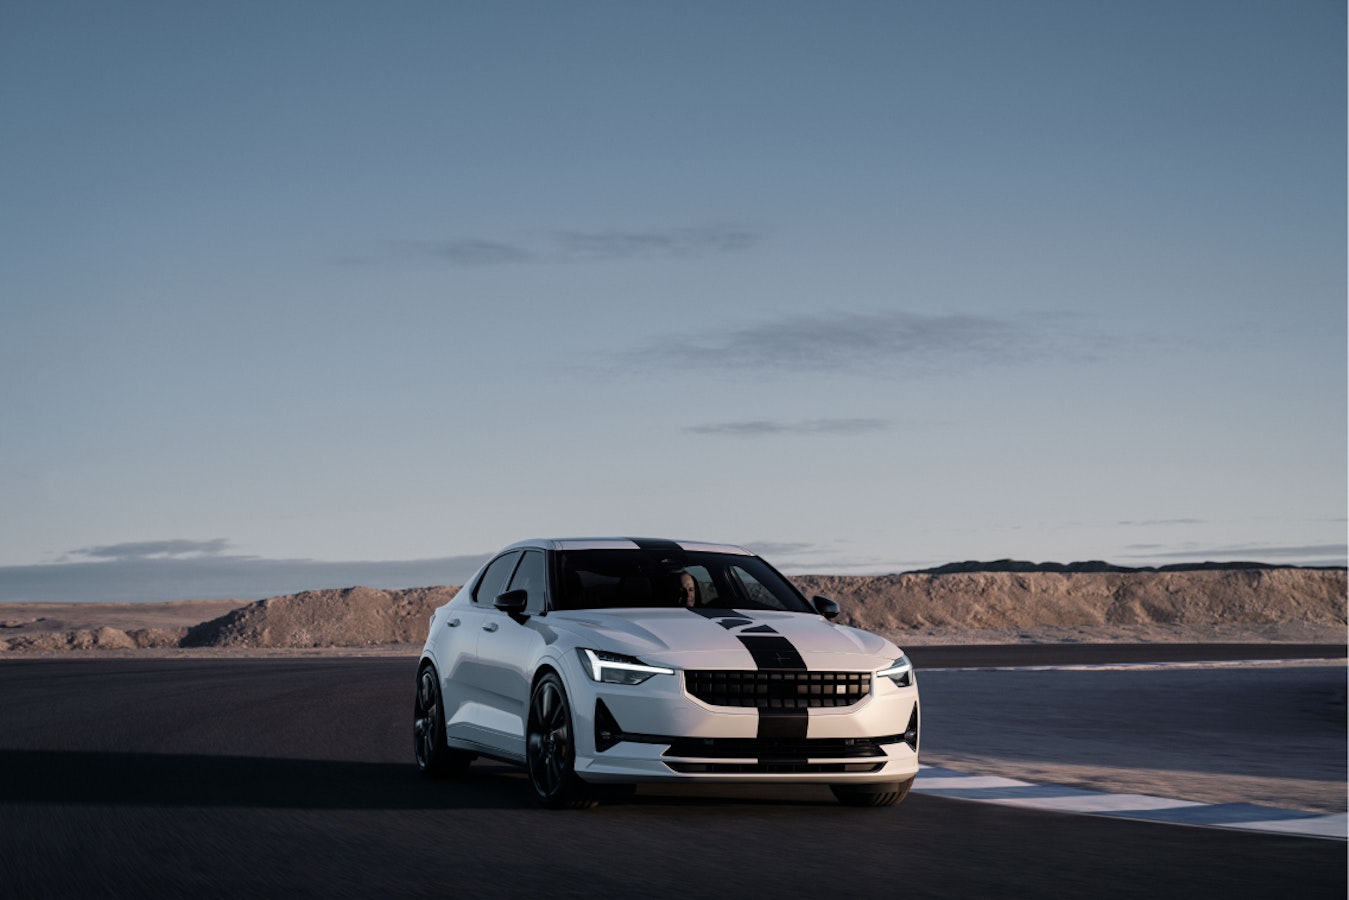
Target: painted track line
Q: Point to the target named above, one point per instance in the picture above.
(941, 782)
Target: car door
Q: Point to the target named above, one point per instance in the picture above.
(509, 648)
(465, 684)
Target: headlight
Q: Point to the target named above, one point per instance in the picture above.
(617, 668)
(900, 671)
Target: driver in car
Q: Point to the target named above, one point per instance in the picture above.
(687, 590)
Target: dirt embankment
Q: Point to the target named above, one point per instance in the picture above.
(353, 617)
(1300, 604)
(963, 607)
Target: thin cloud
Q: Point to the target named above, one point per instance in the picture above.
(148, 549)
(575, 246)
(764, 427)
(1152, 523)
(841, 341)
(571, 246)
(1335, 553)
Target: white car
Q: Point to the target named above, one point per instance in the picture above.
(595, 662)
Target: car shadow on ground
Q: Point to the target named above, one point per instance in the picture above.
(153, 779)
(60, 777)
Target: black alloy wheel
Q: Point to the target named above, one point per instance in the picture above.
(434, 758)
(551, 751)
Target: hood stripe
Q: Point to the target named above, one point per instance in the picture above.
(770, 650)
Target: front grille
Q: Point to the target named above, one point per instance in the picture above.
(777, 689)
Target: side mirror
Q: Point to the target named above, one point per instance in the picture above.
(512, 602)
(824, 606)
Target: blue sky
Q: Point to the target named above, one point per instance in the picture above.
(309, 294)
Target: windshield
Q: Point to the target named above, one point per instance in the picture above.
(610, 579)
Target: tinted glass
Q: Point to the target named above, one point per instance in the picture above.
(606, 579)
(760, 594)
(493, 581)
(705, 589)
(530, 576)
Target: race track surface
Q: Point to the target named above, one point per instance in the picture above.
(267, 777)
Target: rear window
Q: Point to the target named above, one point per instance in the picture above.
(618, 579)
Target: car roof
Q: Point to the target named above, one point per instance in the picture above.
(627, 543)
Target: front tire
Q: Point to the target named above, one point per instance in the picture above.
(550, 749)
(875, 795)
(434, 758)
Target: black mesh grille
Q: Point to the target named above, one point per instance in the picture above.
(769, 689)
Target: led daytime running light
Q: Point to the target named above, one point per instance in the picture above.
(901, 666)
(900, 671)
(598, 665)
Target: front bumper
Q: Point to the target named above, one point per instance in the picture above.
(658, 732)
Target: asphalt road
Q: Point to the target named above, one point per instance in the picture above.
(267, 777)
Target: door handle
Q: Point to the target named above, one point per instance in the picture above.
(490, 626)
(453, 623)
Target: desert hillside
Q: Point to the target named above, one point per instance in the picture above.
(993, 600)
(351, 617)
(1214, 604)
(347, 618)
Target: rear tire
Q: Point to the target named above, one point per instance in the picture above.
(874, 795)
(434, 758)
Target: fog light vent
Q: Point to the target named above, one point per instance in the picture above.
(607, 732)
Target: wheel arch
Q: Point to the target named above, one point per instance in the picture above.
(427, 661)
(548, 667)
(424, 663)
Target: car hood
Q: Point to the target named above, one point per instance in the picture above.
(723, 638)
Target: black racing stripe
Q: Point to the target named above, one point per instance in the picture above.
(770, 651)
(728, 624)
(726, 618)
(773, 651)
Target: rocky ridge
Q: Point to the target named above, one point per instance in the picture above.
(991, 600)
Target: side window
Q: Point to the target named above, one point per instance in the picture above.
(493, 581)
(532, 577)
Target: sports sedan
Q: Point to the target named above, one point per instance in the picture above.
(609, 662)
